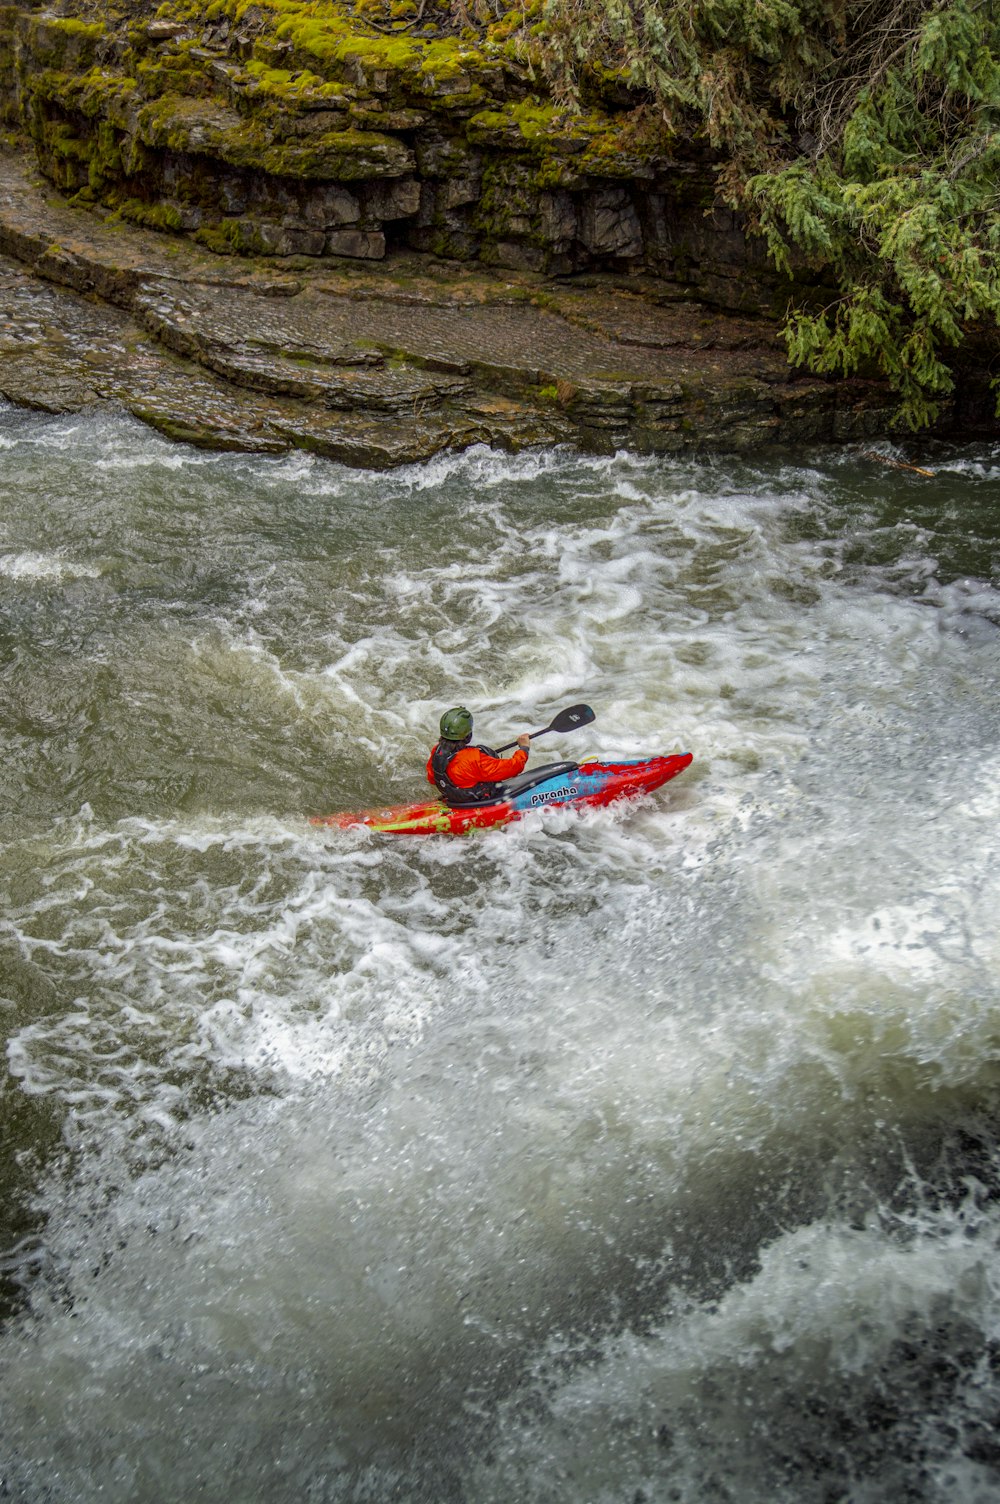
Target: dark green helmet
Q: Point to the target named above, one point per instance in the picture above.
(456, 725)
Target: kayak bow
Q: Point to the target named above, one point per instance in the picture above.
(557, 785)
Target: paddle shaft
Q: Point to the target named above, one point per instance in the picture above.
(566, 720)
(531, 734)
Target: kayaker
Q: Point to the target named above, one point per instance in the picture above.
(469, 775)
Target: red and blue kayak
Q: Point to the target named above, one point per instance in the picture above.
(557, 785)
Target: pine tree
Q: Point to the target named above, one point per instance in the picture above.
(862, 139)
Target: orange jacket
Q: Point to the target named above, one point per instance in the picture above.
(471, 765)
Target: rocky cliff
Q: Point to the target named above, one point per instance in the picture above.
(282, 128)
(373, 235)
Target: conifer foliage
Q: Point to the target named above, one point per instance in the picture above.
(862, 137)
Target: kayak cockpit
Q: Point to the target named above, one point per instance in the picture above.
(523, 781)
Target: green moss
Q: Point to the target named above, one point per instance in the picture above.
(105, 157)
(190, 11)
(94, 94)
(330, 37)
(60, 41)
(506, 205)
(172, 74)
(183, 124)
(287, 87)
(203, 128)
(556, 172)
(449, 58)
(514, 23)
(215, 240)
(338, 156)
(231, 237)
(341, 44)
(62, 141)
(547, 131)
(71, 26)
(156, 216)
(535, 120)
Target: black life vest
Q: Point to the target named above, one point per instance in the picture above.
(480, 793)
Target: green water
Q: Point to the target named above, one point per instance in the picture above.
(639, 1154)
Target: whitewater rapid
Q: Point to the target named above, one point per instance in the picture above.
(637, 1154)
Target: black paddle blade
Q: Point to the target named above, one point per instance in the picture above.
(569, 720)
(566, 720)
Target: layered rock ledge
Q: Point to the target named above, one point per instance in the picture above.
(382, 365)
(361, 227)
(312, 127)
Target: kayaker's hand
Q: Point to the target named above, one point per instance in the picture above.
(524, 741)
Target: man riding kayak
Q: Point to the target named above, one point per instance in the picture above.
(465, 774)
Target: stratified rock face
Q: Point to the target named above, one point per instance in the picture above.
(287, 129)
(382, 364)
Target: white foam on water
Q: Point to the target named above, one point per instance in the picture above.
(456, 1168)
(499, 1163)
(218, 975)
(45, 567)
(484, 467)
(827, 1307)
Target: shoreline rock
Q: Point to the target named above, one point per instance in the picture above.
(324, 225)
(291, 129)
(379, 366)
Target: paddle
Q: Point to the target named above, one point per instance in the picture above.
(566, 720)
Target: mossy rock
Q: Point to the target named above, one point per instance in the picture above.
(295, 90)
(567, 147)
(159, 216)
(173, 76)
(295, 96)
(59, 42)
(536, 128)
(206, 128)
(340, 157)
(96, 94)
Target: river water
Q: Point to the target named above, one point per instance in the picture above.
(637, 1155)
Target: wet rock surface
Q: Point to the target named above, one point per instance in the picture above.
(380, 366)
(370, 227)
(313, 127)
